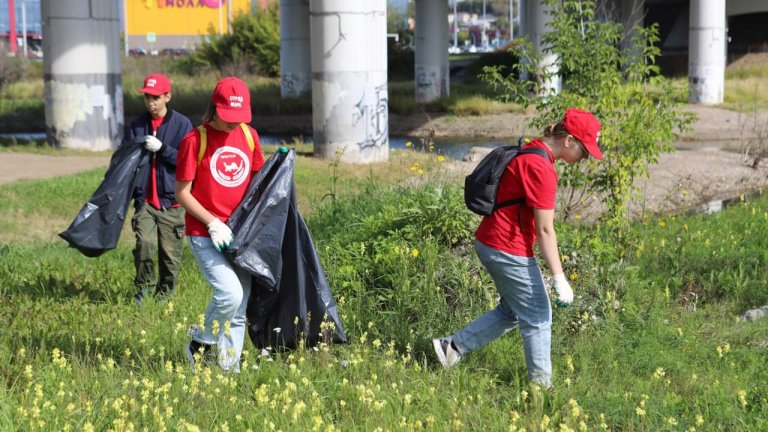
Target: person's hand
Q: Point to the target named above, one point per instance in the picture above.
(563, 290)
(152, 144)
(221, 235)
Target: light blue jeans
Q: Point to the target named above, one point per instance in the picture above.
(231, 288)
(524, 302)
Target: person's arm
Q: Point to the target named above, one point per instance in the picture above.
(191, 204)
(545, 231)
(221, 234)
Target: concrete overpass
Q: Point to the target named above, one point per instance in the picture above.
(334, 50)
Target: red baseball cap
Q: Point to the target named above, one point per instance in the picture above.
(585, 127)
(232, 100)
(156, 84)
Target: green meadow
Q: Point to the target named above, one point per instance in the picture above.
(653, 341)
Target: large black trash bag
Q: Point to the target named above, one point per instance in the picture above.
(96, 228)
(290, 299)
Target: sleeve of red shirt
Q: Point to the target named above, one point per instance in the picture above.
(258, 158)
(186, 160)
(539, 183)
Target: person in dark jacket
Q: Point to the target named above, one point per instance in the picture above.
(158, 220)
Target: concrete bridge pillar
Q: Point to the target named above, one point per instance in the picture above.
(295, 66)
(350, 112)
(431, 57)
(538, 24)
(83, 85)
(706, 51)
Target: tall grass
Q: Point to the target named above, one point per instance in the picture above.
(634, 352)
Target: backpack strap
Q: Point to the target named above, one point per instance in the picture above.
(534, 150)
(204, 140)
(248, 136)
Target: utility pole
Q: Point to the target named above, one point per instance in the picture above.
(125, 29)
(12, 46)
(455, 25)
(221, 26)
(483, 36)
(229, 17)
(24, 25)
(511, 19)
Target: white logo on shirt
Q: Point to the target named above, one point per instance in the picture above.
(230, 166)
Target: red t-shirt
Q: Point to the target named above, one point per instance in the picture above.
(512, 229)
(222, 177)
(152, 198)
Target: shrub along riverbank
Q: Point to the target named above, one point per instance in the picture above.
(652, 342)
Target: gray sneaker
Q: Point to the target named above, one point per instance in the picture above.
(447, 355)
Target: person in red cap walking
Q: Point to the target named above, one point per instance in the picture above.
(158, 221)
(215, 165)
(504, 243)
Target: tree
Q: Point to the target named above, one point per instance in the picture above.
(623, 87)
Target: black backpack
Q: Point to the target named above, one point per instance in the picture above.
(481, 185)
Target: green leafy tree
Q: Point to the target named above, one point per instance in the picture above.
(623, 87)
(252, 47)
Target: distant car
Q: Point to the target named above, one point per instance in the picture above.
(138, 51)
(174, 51)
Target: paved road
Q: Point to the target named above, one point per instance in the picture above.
(21, 166)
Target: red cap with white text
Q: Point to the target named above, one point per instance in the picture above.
(156, 85)
(232, 100)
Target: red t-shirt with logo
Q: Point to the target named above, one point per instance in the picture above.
(222, 177)
(512, 229)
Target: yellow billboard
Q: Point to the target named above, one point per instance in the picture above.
(181, 17)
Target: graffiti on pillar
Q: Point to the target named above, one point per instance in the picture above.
(372, 113)
(428, 83)
(294, 84)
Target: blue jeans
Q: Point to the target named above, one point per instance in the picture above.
(231, 288)
(524, 302)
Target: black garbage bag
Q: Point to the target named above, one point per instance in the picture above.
(96, 228)
(290, 299)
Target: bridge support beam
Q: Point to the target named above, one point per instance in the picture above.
(350, 112)
(295, 66)
(706, 52)
(538, 24)
(432, 78)
(83, 84)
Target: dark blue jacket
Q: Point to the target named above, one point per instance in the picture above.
(174, 127)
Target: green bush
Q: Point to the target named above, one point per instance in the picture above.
(252, 47)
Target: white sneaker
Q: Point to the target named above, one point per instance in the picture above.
(447, 355)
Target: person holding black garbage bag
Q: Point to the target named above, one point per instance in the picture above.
(215, 165)
(158, 221)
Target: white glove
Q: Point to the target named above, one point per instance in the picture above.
(152, 144)
(562, 290)
(221, 235)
